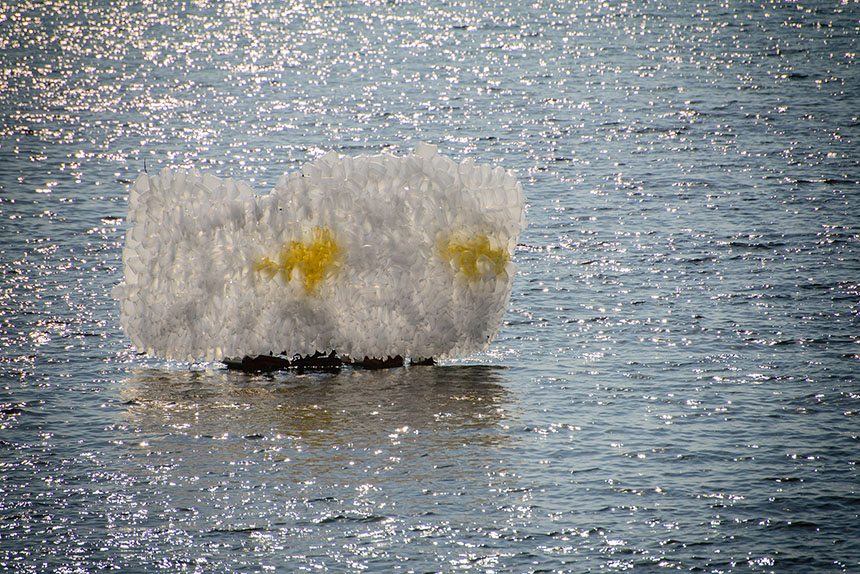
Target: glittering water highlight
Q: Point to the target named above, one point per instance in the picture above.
(674, 386)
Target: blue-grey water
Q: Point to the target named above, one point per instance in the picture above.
(675, 386)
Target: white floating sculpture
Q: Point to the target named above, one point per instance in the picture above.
(367, 256)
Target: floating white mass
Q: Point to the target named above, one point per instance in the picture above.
(367, 256)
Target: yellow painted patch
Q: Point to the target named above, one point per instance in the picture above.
(475, 256)
(313, 259)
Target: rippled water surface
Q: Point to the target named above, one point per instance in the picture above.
(675, 385)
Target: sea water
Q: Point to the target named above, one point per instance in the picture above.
(675, 384)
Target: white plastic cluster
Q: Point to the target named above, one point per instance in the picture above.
(367, 256)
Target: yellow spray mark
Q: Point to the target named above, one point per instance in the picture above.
(475, 256)
(313, 259)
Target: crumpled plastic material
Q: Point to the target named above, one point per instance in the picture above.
(367, 256)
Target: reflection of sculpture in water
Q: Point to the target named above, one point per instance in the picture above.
(226, 451)
(353, 406)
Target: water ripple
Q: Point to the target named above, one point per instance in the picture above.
(681, 349)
